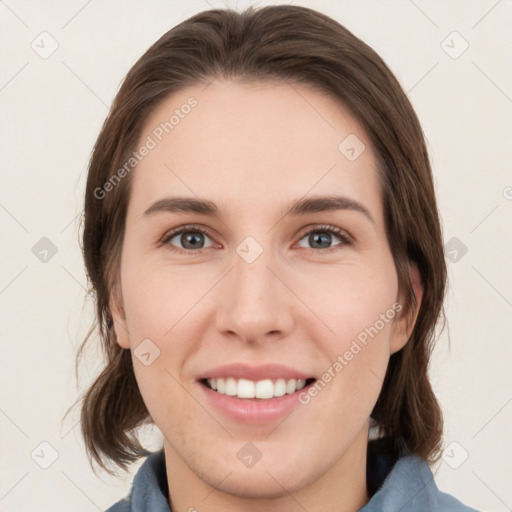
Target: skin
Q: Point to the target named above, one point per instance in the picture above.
(252, 149)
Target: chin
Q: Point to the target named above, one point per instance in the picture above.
(256, 484)
(271, 477)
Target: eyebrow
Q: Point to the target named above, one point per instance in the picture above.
(303, 206)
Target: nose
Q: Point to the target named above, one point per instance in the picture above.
(255, 305)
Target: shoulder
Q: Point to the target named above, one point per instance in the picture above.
(121, 506)
(149, 492)
(410, 487)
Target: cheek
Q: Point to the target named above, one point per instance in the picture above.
(352, 301)
(359, 309)
(163, 307)
(353, 371)
(157, 300)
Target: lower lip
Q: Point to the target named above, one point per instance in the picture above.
(253, 411)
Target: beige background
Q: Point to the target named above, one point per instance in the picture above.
(52, 110)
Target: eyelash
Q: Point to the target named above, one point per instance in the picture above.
(323, 228)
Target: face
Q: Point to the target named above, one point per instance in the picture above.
(286, 303)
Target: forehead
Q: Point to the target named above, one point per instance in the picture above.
(242, 142)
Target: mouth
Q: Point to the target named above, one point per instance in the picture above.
(253, 395)
(265, 389)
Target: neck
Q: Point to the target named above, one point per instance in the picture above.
(342, 488)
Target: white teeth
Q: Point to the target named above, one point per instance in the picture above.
(264, 389)
(230, 388)
(245, 389)
(291, 385)
(280, 387)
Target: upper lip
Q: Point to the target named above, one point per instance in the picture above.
(255, 373)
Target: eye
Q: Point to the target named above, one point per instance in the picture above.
(321, 237)
(191, 239)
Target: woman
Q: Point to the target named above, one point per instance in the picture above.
(262, 238)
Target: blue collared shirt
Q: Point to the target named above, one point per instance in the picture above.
(406, 485)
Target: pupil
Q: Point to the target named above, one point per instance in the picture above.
(319, 238)
(191, 240)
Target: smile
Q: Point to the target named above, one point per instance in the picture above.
(253, 395)
(262, 389)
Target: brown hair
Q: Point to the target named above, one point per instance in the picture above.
(301, 46)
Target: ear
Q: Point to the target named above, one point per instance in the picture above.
(119, 317)
(404, 324)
